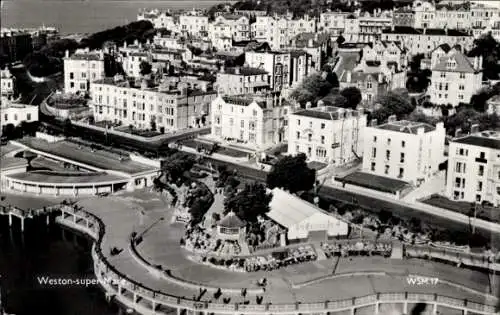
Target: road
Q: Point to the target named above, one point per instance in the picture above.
(372, 204)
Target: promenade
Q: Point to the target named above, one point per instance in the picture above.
(147, 214)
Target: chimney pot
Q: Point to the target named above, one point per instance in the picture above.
(474, 128)
(458, 132)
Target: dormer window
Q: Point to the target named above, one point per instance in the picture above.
(451, 64)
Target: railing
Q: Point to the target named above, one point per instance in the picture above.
(172, 301)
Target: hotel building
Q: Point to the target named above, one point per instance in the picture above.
(474, 168)
(82, 68)
(404, 150)
(327, 134)
(241, 80)
(172, 106)
(258, 121)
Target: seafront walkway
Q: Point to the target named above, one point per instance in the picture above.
(123, 214)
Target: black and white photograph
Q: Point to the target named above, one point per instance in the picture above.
(251, 157)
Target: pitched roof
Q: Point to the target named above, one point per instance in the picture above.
(445, 47)
(231, 221)
(324, 112)
(288, 210)
(463, 63)
(406, 126)
(357, 76)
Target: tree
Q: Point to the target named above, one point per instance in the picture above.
(393, 104)
(487, 47)
(352, 95)
(340, 40)
(250, 203)
(292, 173)
(335, 100)
(176, 164)
(145, 68)
(312, 89)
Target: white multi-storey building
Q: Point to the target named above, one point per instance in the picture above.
(193, 23)
(455, 78)
(276, 63)
(404, 150)
(279, 31)
(159, 19)
(82, 68)
(260, 122)
(332, 22)
(242, 80)
(482, 15)
(236, 27)
(131, 62)
(6, 83)
(15, 113)
(327, 134)
(170, 107)
(474, 168)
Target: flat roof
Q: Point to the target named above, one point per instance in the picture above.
(66, 178)
(8, 162)
(376, 182)
(99, 158)
(24, 202)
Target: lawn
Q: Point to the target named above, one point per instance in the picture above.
(486, 213)
(139, 132)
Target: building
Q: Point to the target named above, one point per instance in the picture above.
(302, 220)
(131, 62)
(82, 68)
(317, 45)
(169, 106)
(424, 40)
(482, 15)
(332, 22)
(236, 27)
(193, 23)
(455, 78)
(258, 121)
(15, 45)
(15, 113)
(387, 53)
(403, 150)
(242, 80)
(276, 63)
(474, 169)
(403, 17)
(278, 31)
(159, 19)
(327, 134)
(301, 66)
(6, 83)
(371, 84)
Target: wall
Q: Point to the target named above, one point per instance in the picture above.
(48, 138)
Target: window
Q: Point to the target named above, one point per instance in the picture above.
(386, 170)
(403, 144)
(322, 139)
(297, 148)
(402, 158)
(309, 150)
(461, 87)
(242, 124)
(478, 198)
(482, 155)
(373, 166)
(479, 186)
(480, 171)
(388, 141)
(298, 135)
(298, 122)
(322, 126)
(28, 116)
(387, 155)
(6, 118)
(71, 75)
(374, 152)
(310, 124)
(457, 182)
(374, 138)
(401, 172)
(462, 75)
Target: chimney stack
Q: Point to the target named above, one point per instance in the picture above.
(348, 76)
(458, 132)
(308, 105)
(66, 53)
(474, 128)
(380, 78)
(237, 70)
(391, 118)
(373, 123)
